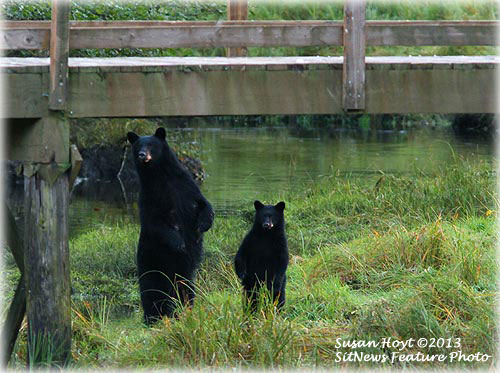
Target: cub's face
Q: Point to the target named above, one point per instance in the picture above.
(147, 150)
(269, 217)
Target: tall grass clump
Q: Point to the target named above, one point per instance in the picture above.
(103, 265)
(342, 207)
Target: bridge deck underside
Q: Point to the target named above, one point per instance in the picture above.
(189, 86)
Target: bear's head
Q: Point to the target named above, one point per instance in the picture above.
(269, 217)
(148, 151)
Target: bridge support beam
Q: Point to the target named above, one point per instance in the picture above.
(44, 289)
(46, 262)
(46, 190)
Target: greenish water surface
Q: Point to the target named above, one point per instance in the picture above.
(244, 164)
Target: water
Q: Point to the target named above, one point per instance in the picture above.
(250, 163)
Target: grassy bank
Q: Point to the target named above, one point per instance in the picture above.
(398, 257)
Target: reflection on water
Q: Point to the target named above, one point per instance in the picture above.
(250, 163)
(244, 164)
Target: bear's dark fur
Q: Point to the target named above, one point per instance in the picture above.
(174, 214)
(263, 255)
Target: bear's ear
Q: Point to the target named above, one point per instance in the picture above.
(258, 205)
(160, 133)
(280, 206)
(132, 137)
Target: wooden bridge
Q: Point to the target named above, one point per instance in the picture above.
(41, 94)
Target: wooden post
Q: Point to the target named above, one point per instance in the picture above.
(59, 53)
(46, 254)
(237, 10)
(46, 261)
(353, 75)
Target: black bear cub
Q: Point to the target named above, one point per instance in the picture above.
(263, 255)
(173, 214)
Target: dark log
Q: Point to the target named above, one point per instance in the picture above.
(46, 262)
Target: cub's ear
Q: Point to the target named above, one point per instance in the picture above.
(132, 137)
(160, 133)
(258, 205)
(280, 206)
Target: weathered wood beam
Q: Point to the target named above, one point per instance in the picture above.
(353, 72)
(47, 269)
(313, 85)
(76, 164)
(34, 140)
(46, 191)
(237, 10)
(173, 34)
(432, 33)
(14, 242)
(59, 53)
(293, 91)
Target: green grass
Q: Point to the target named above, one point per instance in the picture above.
(399, 257)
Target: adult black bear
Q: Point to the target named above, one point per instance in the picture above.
(263, 255)
(174, 214)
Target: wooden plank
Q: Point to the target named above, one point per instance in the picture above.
(40, 140)
(59, 54)
(431, 91)
(262, 92)
(421, 33)
(35, 25)
(27, 95)
(96, 93)
(47, 270)
(25, 39)
(23, 66)
(219, 35)
(191, 93)
(76, 164)
(45, 25)
(353, 76)
(237, 10)
(207, 34)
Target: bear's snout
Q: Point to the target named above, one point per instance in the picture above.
(268, 225)
(144, 156)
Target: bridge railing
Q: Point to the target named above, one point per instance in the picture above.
(33, 35)
(354, 34)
